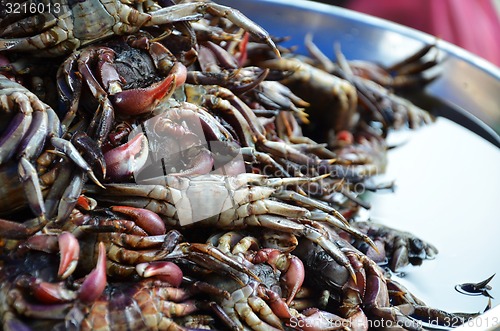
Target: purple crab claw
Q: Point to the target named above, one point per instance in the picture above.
(123, 161)
(165, 271)
(52, 293)
(70, 251)
(146, 219)
(94, 284)
(67, 245)
(143, 100)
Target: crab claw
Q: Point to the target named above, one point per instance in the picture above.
(51, 293)
(123, 161)
(143, 100)
(70, 251)
(293, 278)
(277, 305)
(165, 271)
(86, 203)
(203, 164)
(95, 282)
(146, 219)
(290, 265)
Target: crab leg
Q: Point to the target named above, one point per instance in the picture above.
(236, 110)
(243, 193)
(69, 86)
(34, 139)
(205, 255)
(411, 59)
(120, 254)
(225, 218)
(13, 135)
(321, 217)
(29, 178)
(68, 149)
(46, 39)
(70, 198)
(16, 230)
(331, 248)
(103, 118)
(193, 11)
(245, 310)
(90, 151)
(310, 202)
(56, 191)
(285, 225)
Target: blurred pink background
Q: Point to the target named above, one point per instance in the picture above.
(470, 24)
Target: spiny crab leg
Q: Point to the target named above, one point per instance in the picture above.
(18, 126)
(33, 192)
(309, 202)
(70, 197)
(90, 152)
(68, 149)
(322, 217)
(192, 11)
(205, 256)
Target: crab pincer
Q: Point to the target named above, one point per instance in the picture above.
(125, 160)
(290, 265)
(163, 270)
(143, 100)
(48, 293)
(95, 282)
(70, 251)
(146, 219)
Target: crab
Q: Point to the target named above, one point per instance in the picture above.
(32, 130)
(127, 77)
(67, 26)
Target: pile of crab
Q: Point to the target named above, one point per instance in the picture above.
(167, 166)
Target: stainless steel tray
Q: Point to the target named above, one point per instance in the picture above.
(448, 179)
